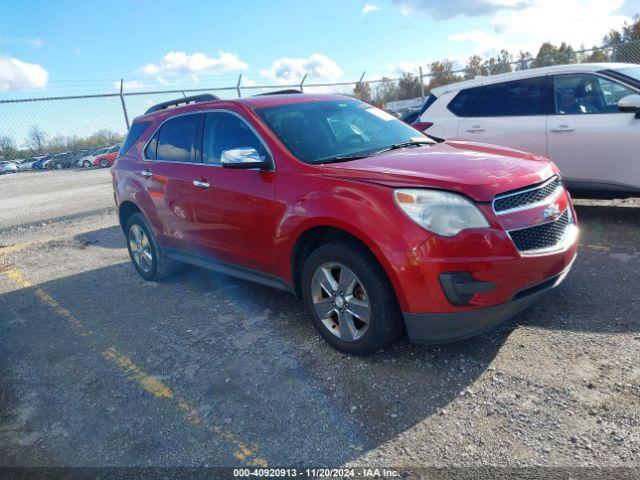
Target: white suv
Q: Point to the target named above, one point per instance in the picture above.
(584, 117)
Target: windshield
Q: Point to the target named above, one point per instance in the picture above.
(633, 72)
(336, 129)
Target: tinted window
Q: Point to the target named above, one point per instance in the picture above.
(150, 151)
(467, 102)
(430, 101)
(584, 94)
(322, 130)
(521, 97)
(177, 138)
(224, 131)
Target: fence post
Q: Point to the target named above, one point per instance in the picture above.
(124, 107)
(421, 86)
(303, 79)
(238, 86)
(359, 84)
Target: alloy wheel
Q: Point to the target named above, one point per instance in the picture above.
(140, 248)
(341, 301)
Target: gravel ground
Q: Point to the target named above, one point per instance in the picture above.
(39, 196)
(101, 368)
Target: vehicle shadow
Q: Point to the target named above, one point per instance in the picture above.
(245, 355)
(247, 358)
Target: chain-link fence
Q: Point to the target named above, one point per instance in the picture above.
(79, 131)
(36, 127)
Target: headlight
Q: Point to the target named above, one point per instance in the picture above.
(444, 213)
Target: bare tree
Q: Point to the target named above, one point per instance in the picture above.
(8, 150)
(36, 140)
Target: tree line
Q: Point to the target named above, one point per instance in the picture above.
(443, 72)
(38, 143)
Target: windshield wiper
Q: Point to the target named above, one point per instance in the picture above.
(409, 143)
(340, 158)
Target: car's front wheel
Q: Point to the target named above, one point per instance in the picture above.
(350, 298)
(147, 256)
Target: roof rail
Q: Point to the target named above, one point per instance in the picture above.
(205, 97)
(280, 92)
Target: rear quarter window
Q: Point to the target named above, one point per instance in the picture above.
(467, 103)
(135, 131)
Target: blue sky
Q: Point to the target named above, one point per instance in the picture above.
(75, 47)
(87, 46)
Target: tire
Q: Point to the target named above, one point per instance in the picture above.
(86, 164)
(155, 267)
(103, 163)
(373, 288)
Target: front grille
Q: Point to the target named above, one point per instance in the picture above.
(505, 202)
(542, 236)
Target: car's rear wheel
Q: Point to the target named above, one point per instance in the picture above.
(350, 298)
(104, 163)
(86, 164)
(147, 256)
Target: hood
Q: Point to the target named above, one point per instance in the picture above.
(477, 170)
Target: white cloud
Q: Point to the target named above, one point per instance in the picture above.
(18, 75)
(369, 7)
(289, 70)
(576, 22)
(181, 62)
(482, 41)
(452, 8)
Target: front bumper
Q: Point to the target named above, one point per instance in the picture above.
(451, 327)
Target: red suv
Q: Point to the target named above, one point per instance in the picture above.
(375, 226)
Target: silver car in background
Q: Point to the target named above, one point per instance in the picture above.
(7, 167)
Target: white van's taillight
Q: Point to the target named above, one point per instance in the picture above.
(421, 126)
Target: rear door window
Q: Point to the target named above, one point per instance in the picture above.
(177, 139)
(518, 98)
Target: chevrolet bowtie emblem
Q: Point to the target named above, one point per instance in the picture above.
(552, 212)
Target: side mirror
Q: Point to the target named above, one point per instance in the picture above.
(630, 104)
(247, 157)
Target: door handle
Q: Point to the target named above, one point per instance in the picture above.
(201, 184)
(562, 128)
(146, 173)
(475, 128)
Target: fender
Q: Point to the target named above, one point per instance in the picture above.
(345, 205)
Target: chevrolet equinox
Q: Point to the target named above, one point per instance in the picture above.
(372, 224)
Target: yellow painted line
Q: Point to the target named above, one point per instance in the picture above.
(246, 452)
(14, 275)
(599, 248)
(150, 383)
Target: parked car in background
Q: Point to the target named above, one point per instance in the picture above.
(584, 117)
(39, 163)
(410, 116)
(59, 161)
(23, 164)
(7, 167)
(87, 160)
(375, 226)
(107, 159)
